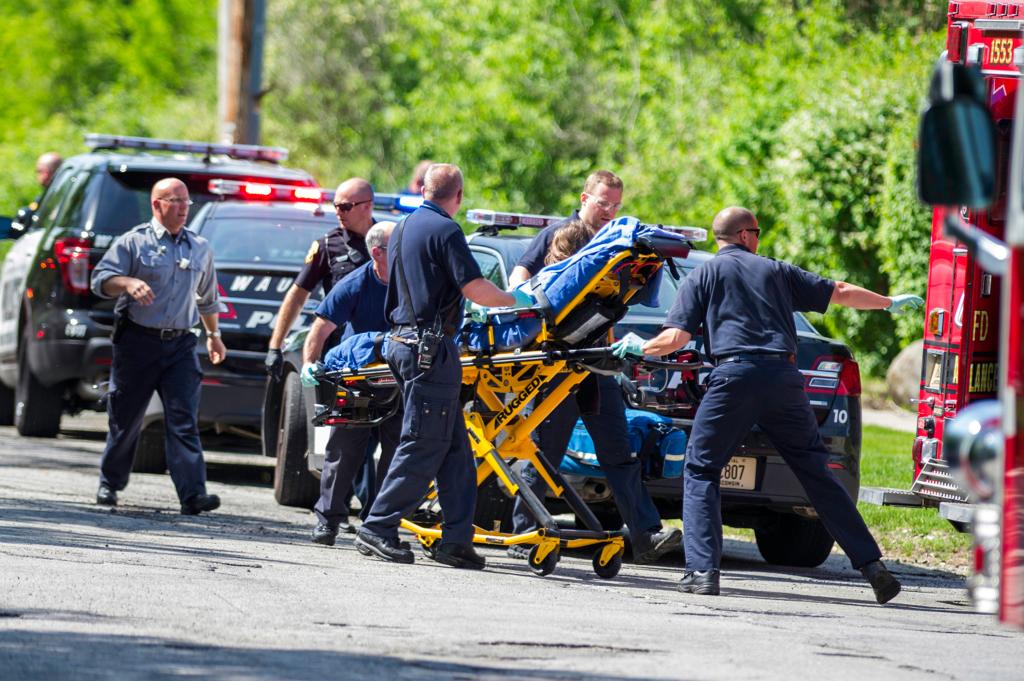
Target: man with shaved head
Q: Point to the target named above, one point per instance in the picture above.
(164, 280)
(745, 304)
(329, 260)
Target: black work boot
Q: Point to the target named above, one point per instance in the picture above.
(200, 503)
(390, 550)
(649, 547)
(106, 496)
(460, 556)
(700, 583)
(885, 585)
(324, 534)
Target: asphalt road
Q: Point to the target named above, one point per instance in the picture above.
(145, 593)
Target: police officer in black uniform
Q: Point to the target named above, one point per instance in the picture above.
(164, 279)
(745, 304)
(329, 260)
(600, 403)
(46, 169)
(430, 270)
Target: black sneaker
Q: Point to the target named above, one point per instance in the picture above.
(648, 548)
(106, 496)
(200, 503)
(460, 556)
(884, 584)
(388, 549)
(519, 551)
(324, 534)
(700, 583)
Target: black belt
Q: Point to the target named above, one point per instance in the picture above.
(162, 334)
(756, 357)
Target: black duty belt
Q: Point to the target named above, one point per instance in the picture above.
(756, 357)
(162, 334)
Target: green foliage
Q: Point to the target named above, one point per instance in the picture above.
(803, 110)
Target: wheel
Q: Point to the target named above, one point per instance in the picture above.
(294, 485)
(609, 570)
(6, 406)
(430, 550)
(150, 455)
(37, 408)
(546, 566)
(789, 539)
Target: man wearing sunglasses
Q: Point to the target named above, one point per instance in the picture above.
(745, 303)
(330, 258)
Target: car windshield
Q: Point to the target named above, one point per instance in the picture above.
(262, 240)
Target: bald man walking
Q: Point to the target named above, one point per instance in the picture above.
(164, 280)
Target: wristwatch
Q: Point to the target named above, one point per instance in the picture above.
(213, 334)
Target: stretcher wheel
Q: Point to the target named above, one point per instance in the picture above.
(546, 566)
(430, 550)
(609, 570)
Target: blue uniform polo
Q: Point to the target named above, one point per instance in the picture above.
(356, 303)
(533, 258)
(745, 302)
(436, 264)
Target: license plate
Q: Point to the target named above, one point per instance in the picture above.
(740, 473)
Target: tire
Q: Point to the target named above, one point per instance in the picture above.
(294, 485)
(37, 408)
(789, 539)
(6, 406)
(150, 455)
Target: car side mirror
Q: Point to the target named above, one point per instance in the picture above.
(957, 154)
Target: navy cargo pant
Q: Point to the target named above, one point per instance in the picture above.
(347, 452)
(142, 364)
(433, 446)
(771, 394)
(607, 427)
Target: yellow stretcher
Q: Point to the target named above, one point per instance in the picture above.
(500, 387)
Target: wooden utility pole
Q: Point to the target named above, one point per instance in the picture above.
(241, 25)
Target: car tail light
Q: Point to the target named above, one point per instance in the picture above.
(72, 256)
(956, 42)
(833, 375)
(849, 379)
(916, 449)
(227, 310)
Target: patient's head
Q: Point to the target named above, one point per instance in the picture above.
(568, 239)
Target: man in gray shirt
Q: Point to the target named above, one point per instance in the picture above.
(164, 279)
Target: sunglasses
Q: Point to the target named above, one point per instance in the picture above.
(757, 232)
(346, 206)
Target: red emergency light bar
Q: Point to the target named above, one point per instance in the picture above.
(240, 151)
(262, 191)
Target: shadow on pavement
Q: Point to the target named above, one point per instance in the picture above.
(54, 655)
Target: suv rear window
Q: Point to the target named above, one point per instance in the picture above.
(269, 242)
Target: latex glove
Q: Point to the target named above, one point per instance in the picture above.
(478, 312)
(274, 362)
(306, 375)
(630, 345)
(523, 299)
(905, 302)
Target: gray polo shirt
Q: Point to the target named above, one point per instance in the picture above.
(180, 272)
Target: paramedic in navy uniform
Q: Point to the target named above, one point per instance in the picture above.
(355, 304)
(329, 260)
(745, 304)
(606, 420)
(430, 270)
(164, 279)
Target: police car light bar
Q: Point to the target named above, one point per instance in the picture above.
(509, 220)
(691, 233)
(397, 203)
(270, 192)
(240, 151)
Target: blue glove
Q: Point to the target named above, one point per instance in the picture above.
(905, 301)
(628, 346)
(306, 375)
(523, 299)
(478, 312)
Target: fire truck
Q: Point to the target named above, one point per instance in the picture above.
(971, 169)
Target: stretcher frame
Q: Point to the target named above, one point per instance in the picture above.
(504, 385)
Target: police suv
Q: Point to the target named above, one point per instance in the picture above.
(55, 352)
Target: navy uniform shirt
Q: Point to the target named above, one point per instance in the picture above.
(533, 258)
(436, 264)
(746, 302)
(179, 270)
(356, 303)
(331, 258)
